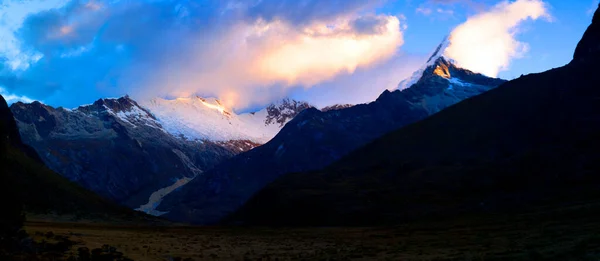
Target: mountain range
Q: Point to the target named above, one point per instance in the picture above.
(446, 141)
(530, 143)
(316, 138)
(133, 156)
(507, 169)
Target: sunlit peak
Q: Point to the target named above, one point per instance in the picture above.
(216, 106)
(442, 71)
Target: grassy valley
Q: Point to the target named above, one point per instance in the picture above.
(569, 233)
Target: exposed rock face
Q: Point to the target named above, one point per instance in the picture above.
(314, 139)
(443, 84)
(336, 107)
(196, 118)
(284, 111)
(132, 155)
(239, 145)
(114, 147)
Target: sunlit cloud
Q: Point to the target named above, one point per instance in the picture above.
(308, 59)
(254, 63)
(487, 43)
(244, 52)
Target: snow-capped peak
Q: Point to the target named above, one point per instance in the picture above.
(437, 53)
(125, 109)
(284, 110)
(198, 118)
(212, 103)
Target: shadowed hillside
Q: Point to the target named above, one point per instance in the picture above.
(42, 191)
(534, 141)
(315, 139)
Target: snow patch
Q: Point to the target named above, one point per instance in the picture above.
(157, 197)
(456, 81)
(206, 119)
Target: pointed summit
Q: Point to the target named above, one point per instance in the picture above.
(440, 83)
(433, 58)
(439, 51)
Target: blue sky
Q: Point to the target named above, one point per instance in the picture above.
(250, 52)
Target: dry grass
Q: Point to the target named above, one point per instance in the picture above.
(565, 234)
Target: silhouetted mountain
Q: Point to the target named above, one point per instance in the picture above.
(314, 139)
(26, 181)
(588, 49)
(534, 141)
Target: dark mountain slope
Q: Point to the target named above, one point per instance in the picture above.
(314, 139)
(25, 180)
(532, 141)
(114, 147)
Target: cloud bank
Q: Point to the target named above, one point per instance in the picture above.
(244, 52)
(486, 43)
(250, 59)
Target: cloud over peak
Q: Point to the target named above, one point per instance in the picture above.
(486, 42)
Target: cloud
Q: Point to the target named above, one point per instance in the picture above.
(244, 52)
(12, 14)
(365, 84)
(250, 58)
(486, 42)
(437, 8)
(305, 11)
(424, 11)
(590, 11)
(449, 12)
(428, 11)
(11, 98)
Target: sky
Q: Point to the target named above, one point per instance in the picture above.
(249, 53)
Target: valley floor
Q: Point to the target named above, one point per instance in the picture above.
(571, 233)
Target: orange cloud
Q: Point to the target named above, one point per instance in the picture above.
(309, 59)
(247, 62)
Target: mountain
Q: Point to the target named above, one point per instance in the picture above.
(336, 107)
(314, 139)
(26, 182)
(532, 142)
(131, 155)
(113, 147)
(197, 118)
